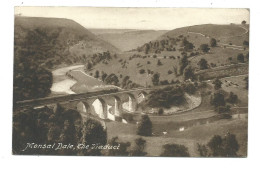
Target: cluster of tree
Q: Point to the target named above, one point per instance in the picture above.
(183, 63)
(45, 46)
(111, 79)
(60, 125)
(219, 101)
(165, 97)
(156, 79)
(57, 125)
(97, 58)
(30, 80)
(167, 44)
(187, 46)
(128, 84)
(218, 146)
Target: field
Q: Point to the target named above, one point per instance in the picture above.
(189, 137)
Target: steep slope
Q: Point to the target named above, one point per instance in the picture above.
(127, 40)
(55, 41)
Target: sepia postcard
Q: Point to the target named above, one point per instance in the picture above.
(103, 81)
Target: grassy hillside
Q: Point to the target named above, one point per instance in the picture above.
(127, 39)
(170, 48)
(56, 41)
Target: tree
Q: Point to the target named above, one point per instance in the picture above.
(223, 147)
(189, 73)
(156, 79)
(147, 48)
(203, 64)
(230, 145)
(141, 71)
(232, 98)
(144, 127)
(183, 63)
(159, 63)
(240, 57)
(215, 145)
(112, 79)
(97, 74)
(68, 136)
(160, 111)
(205, 48)
(165, 97)
(94, 134)
(30, 81)
(213, 42)
(139, 147)
(218, 100)
(203, 150)
(175, 150)
(88, 66)
(217, 84)
(190, 88)
(103, 77)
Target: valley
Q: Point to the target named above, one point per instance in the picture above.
(190, 82)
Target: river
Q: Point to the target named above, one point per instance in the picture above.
(80, 83)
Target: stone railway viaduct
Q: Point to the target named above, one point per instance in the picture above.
(108, 104)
